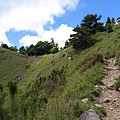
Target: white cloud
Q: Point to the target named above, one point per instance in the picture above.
(60, 35)
(28, 40)
(3, 38)
(32, 15)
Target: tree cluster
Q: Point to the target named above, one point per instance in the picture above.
(84, 33)
(10, 48)
(109, 23)
(40, 48)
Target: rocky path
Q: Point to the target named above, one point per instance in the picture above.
(110, 98)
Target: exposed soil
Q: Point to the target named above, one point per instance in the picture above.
(110, 98)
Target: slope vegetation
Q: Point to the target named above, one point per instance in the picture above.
(55, 86)
(12, 64)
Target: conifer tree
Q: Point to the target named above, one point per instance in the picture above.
(13, 90)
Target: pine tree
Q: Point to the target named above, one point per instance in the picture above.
(13, 90)
(83, 34)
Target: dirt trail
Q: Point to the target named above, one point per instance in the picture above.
(110, 98)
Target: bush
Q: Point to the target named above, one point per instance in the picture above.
(100, 111)
(5, 46)
(90, 60)
(27, 66)
(96, 92)
(54, 50)
(55, 80)
(79, 108)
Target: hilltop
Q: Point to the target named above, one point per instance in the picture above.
(53, 86)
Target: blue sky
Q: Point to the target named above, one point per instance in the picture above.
(26, 23)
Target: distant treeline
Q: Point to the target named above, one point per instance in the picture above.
(40, 48)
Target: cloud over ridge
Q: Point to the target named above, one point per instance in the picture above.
(32, 15)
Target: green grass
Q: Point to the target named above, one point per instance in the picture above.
(50, 92)
(117, 84)
(11, 65)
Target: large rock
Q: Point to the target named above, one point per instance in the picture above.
(89, 115)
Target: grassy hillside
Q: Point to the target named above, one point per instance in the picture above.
(11, 65)
(54, 86)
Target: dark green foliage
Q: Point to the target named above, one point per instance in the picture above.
(42, 79)
(91, 21)
(108, 20)
(1, 87)
(113, 20)
(5, 46)
(109, 28)
(31, 50)
(117, 84)
(83, 34)
(108, 24)
(42, 48)
(13, 48)
(82, 39)
(12, 88)
(27, 66)
(22, 50)
(24, 111)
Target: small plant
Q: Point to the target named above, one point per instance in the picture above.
(1, 87)
(79, 108)
(13, 90)
(100, 111)
(117, 84)
(96, 92)
(56, 79)
(27, 66)
(43, 98)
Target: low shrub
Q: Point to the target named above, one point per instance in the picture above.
(79, 108)
(27, 66)
(90, 60)
(96, 92)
